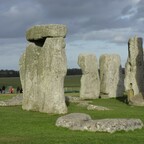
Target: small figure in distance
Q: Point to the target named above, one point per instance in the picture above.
(11, 90)
(3, 89)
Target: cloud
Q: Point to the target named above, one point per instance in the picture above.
(96, 23)
(117, 36)
(10, 52)
(17, 17)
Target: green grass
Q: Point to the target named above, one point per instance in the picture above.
(6, 96)
(26, 127)
(10, 81)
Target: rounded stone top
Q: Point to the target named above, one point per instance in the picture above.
(38, 32)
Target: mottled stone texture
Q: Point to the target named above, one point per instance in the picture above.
(83, 122)
(39, 32)
(42, 70)
(90, 84)
(111, 77)
(134, 68)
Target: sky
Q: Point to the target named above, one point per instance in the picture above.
(94, 26)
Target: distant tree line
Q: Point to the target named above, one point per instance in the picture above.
(13, 73)
(9, 73)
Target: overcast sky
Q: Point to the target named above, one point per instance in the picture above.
(94, 26)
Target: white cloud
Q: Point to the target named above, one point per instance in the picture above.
(120, 35)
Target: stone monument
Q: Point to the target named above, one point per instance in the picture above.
(112, 80)
(90, 83)
(43, 68)
(134, 68)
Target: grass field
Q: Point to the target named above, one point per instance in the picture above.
(26, 127)
(71, 83)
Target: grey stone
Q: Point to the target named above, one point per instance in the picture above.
(137, 100)
(134, 68)
(15, 101)
(94, 107)
(112, 80)
(83, 122)
(40, 32)
(90, 83)
(28, 75)
(73, 121)
(42, 71)
(73, 99)
(52, 68)
(85, 103)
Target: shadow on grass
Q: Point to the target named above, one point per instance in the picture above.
(123, 99)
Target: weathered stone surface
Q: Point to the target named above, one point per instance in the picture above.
(90, 83)
(84, 103)
(73, 121)
(39, 32)
(52, 68)
(42, 71)
(72, 99)
(134, 68)
(77, 121)
(94, 107)
(112, 80)
(137, 100)
(16, 100)
(28, 75)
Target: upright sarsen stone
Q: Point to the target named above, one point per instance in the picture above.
(111, 77)
(134, 68)
(28, 75)
(52, 68)
(90, 84)
(43, 67)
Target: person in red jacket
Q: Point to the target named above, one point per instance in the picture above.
(11, 90)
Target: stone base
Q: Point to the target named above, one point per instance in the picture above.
(137, 100)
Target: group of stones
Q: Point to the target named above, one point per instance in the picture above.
(111, 81)
(43, 67)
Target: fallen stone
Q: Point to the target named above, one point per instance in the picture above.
(39, 32)
(94, 107)
(83, 122)
(73, 120)
(15, 101)
(84, 103)
(72, 99)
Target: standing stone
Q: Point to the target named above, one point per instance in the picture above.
(43, 68)
(111, 77)
(134, 68)
(52, 69)
(90, 84)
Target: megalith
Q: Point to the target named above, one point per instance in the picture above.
(43, 67)
(90, 83)
(111, 77)
(134, 68)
